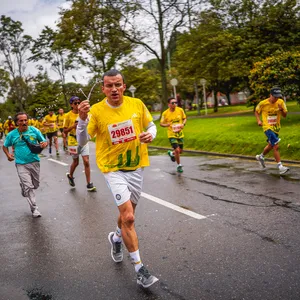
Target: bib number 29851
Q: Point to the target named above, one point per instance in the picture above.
(122, 132)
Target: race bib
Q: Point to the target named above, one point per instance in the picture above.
(122, 132)
(176, 127)
(73, 150)
(272, 120)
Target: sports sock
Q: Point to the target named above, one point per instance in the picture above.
(261, 155)
(279, 164)
(136, 259)
(117, 237)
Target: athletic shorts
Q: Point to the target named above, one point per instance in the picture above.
(50, 135)
(83, 151)
(125, 186)
(175, 143)
(61, 130)
(273, 138)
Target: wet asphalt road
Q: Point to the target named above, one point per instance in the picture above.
(244, 245)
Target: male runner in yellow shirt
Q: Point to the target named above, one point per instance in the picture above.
(60, 124)
(50, 121)
(174, 118)
(270, 110)
(118, 122)
(70, 124)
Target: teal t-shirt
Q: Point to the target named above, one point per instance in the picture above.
(22, 153)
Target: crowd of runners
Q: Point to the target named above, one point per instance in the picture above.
(123, 127)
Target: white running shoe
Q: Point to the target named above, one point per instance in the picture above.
(261, 160)
(36, 214)
(144, 278)
(283, 170)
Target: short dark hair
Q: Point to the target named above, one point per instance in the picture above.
(112, 72)
(171, 98)
(16, 118)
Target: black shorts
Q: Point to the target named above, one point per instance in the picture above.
(50, 135)
(61, 130)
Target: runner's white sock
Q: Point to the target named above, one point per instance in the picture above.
(117, 237)
(279, 164)
(136, 259)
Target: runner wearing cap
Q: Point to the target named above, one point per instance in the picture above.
(271, 110)
(70, 124)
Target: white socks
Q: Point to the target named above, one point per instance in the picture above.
(136, 259)
(117, 237)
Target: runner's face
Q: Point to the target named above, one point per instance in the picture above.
(172, 104)
(273, 99)
(22, 122)
(60, 111)
(114, 87)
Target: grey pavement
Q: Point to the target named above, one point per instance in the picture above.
(241, 240)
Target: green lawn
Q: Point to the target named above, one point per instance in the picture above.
(237, 135)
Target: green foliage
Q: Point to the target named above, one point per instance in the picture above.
(91, 30)
(147, 84)
(282, 70)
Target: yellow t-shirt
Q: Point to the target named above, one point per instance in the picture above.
(270, 114)
(1, 127)
(8, 126)
(117, 130)
(175, 118)
(40, 125)
(69, 121)
(52, 121)
(60, 120)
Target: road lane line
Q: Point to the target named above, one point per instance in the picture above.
(58, 162)
(174, 207)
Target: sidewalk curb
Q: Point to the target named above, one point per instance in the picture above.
(297, 162)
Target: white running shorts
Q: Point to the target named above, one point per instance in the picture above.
(125, 185)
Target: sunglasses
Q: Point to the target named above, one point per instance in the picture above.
(76, 103)
(173, 102)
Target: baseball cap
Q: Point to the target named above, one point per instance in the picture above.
(276, 92)
(73, 98)
(9, 117)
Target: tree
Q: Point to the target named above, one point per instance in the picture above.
(48, 47)
(14, 46)
(282, 70)
(91, 29)
(162, 19)
(4, 82)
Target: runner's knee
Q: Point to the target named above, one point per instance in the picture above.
(128, 219)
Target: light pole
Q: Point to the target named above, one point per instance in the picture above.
(203, 82)
(174, 82)
(132, 89)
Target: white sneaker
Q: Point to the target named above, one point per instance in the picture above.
(36, 214)
(283, 170)
(261, 160)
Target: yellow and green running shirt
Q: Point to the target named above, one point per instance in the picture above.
(175, 118)
(69, 121)
(52, 121)
(60, 120)
(117, 131)
(270, 114)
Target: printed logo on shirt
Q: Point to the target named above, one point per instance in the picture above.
(118, 197)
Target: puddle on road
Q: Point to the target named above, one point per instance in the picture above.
(38, 294)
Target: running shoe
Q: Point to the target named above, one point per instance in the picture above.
(179, 169)
(260, 160)
(283, 170)
(36, 213)
(71, 179)
(170, 153)
(91, 188)
(116, 249)
(144, 278)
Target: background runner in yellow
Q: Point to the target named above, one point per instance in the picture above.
(270, 110)
(174, 119)
(50, 122)
(60, 124)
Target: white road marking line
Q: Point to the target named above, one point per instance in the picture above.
(174, 207)
(58, 162)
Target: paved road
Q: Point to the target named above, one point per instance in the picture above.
(224, 229)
